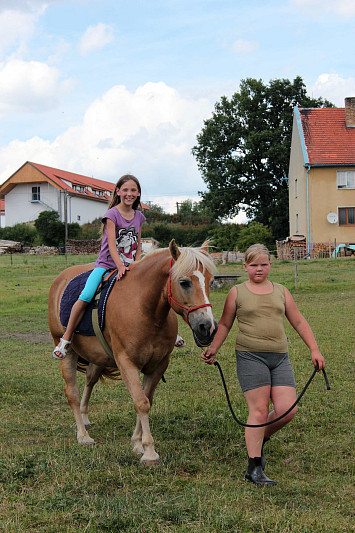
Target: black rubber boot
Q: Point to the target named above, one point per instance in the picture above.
(263, 460)
(255, 473)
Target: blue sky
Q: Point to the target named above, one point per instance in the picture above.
(105, 87)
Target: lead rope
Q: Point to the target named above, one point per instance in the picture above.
(279, 417)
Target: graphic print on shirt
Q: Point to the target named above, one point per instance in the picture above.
(127, 244)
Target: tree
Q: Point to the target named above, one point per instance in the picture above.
(243, 151)
(225, 237)
(193, 213)
(50, 229)
(253, 233)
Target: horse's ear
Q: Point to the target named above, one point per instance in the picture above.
(205, 245)
(174, 249)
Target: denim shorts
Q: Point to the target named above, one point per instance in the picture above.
(91, 284)
(257, 369)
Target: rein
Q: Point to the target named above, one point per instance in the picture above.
(171, 299)
(316, 368)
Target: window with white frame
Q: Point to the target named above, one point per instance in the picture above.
(36, 194)
(346, 179)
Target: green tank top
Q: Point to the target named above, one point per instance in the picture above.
(261, 320)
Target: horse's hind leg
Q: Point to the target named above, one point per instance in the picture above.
(93, 373)
(72, 392)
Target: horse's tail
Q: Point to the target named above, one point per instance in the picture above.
(110, 373)
(107, 372)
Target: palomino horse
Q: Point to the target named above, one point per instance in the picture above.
(140, 328)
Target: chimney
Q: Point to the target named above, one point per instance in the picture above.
(350, 112)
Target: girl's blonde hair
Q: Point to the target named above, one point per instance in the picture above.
(253, 251)
(116, 198)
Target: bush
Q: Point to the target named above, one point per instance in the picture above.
(253, 233)
(51, 230)
(225, 237)
(24, 233)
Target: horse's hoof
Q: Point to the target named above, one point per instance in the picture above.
(86, 441)
(150, 462)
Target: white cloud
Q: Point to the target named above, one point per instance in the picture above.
(29, 86)
(333, 87)
(149, 132)
(240, 46)
(96, 37)
(342, 8)
(16, 28)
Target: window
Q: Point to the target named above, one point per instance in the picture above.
(36, 194)
(78, 217)
(297, 223)
(296, 188)
(346, 216)
(78, 188)
(346, 179)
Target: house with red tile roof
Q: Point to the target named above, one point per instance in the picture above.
(34, 188)
(322, 174)
(2, 213)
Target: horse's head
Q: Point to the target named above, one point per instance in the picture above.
(191, 273)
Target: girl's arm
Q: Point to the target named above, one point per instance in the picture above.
(111, 237)
(224, 327)
(138, 252)
(300, 324)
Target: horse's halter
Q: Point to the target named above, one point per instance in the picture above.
(171, 299)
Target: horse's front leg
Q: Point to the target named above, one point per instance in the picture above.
(130, 376)
(93, 373)
(72, 392)
(150, 383)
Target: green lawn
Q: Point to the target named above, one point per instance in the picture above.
(50, 484)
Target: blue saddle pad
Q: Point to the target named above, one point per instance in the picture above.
(70, 295)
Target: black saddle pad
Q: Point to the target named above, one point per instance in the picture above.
(70, 295)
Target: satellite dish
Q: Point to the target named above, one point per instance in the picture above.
(332, 218)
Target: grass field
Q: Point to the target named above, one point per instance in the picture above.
(50, 484)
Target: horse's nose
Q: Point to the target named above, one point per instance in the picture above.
(204, 330)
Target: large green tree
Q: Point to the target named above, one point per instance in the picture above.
(243, 151)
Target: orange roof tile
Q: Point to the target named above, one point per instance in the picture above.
(60, 177)
(328, 141)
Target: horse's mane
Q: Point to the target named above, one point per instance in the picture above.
(188, 260)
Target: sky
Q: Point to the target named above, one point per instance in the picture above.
(106, 87)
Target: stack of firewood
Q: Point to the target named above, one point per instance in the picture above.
(91, 246)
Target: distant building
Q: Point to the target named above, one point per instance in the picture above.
(34, 188)
(148, 244)
(2, 213)
(322, 174)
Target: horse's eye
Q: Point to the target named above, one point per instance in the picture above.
(185, 283)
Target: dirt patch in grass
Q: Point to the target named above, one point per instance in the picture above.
(35, 337)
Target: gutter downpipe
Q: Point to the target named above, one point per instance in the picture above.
(307, 165)
(308, 224)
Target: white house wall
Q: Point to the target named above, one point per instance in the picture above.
(20, 208)
(84, 208)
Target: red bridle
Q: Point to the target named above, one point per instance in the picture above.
(171, 299)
